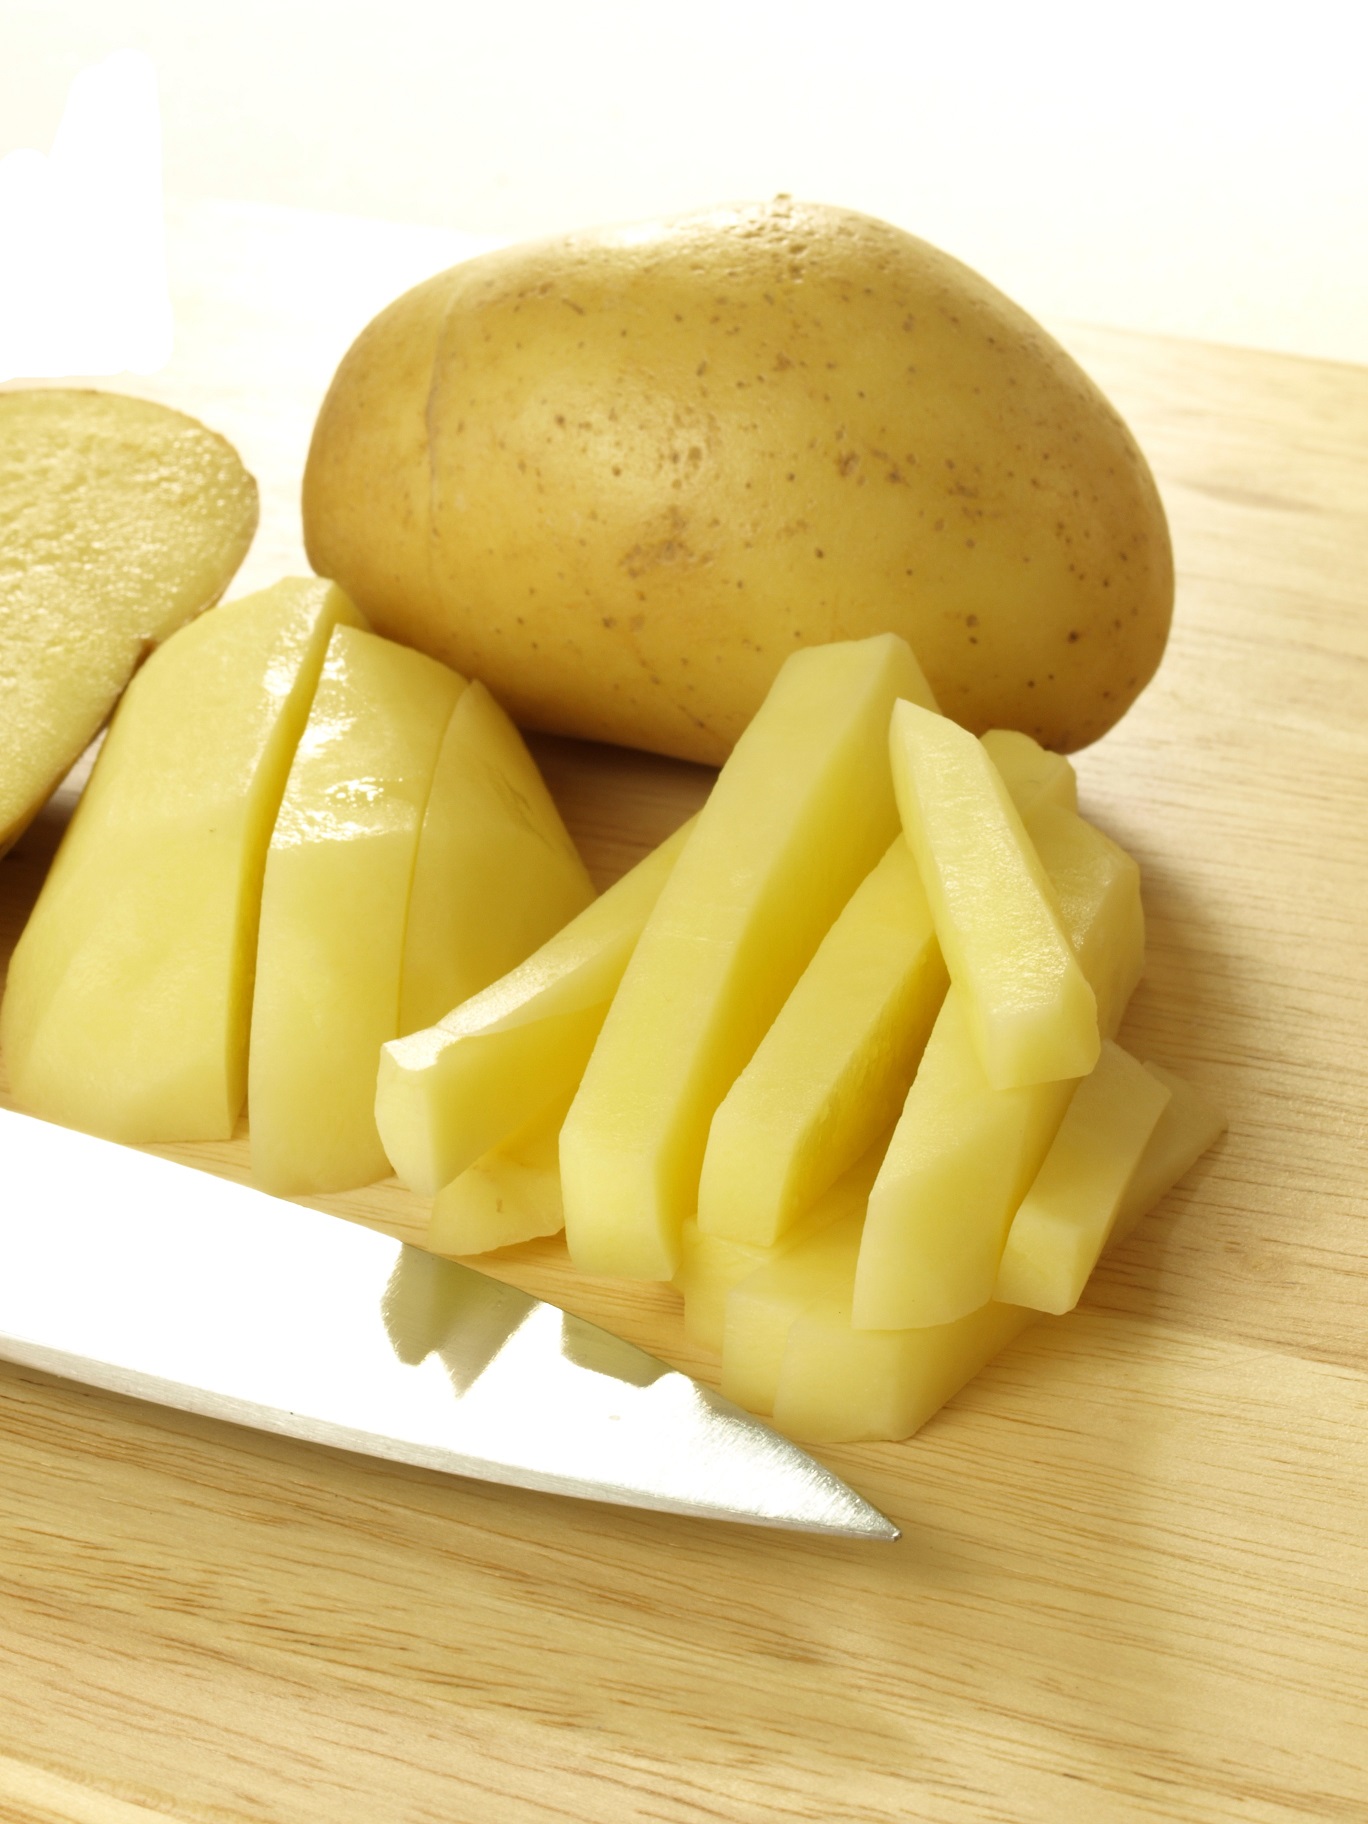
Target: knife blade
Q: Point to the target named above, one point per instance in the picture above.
(135, 1274)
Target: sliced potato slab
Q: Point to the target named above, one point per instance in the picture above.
(448, 1094)
(119, 521)
(129, 994)
(333, 912)
(497, 873)
(834, 1069)
(800, 813)
(1031, 1012)
(1067, 1215)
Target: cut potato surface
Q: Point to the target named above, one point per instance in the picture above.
(334, 909)
(1067, 1215)
(497, 873)
(1031, 773)
(129, 994)
(834, 1069)
(448, 1094)
(710, 1265)
(119, 521)
(800, 813)
(760, 1309)
(964, 1152)
(1031, 1012)
(1098, 888)
(510, 1195)
(1188, 1126)
(838, 1384)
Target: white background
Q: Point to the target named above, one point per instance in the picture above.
(1195, 169)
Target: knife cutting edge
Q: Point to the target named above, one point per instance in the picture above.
(132, 1273)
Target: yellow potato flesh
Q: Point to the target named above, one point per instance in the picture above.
(129, 993)
(964, 1152)
(510, 1195)
(710, 1265)
(496, 874)
(620, 476)
(119, 521)
(1067, 1215)
(834, 1069)
(802, 810)
(838, 1384)
(1097, 885)
(333, 912)
(1032, 774)
(1032, 1015)
(448, 1094)
(1187, 1127)
(760, 1309)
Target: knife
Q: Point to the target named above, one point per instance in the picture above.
(132, 1273)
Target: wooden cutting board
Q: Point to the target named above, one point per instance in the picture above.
(1133, 1577)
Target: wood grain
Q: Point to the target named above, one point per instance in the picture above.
(1133, 1581)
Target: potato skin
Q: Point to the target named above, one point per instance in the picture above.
(620, 476)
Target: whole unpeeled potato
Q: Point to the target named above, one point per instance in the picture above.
(620, 476)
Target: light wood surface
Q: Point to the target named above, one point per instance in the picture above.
(1133, 1578)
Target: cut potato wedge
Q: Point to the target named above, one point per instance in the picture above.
(497, 873)
(119, 521)
(333, 912)
(1067, 1215)
(448, 1094)
(510, 1195)
(800, 813)
(833, 1071)
(129, 994)
(964, 1152)
(1030, 1009)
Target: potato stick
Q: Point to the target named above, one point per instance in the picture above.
(834, 1069)
(1067, 1215)
(449, 1093)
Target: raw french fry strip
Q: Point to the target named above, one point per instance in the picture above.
(450, 1093)
(510, 1195)
(760, 1308)
(1031, 1012)
(1066, 1216)
(834, 1069)
(800, 813)
(964, 1153)
(838, 1384)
